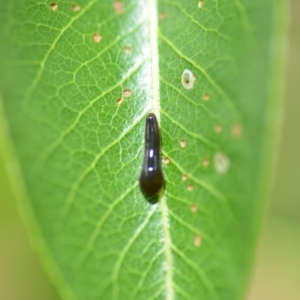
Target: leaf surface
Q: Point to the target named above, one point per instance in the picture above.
(78, 80)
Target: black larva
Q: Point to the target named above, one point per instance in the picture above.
(152, 178)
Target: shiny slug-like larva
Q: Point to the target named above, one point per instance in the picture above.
(152, 178)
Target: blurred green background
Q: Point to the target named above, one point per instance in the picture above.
(277, 267)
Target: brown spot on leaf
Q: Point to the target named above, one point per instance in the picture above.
(206, 97)
(218, 128)
(184, 177)
(166, 160)
(126, 93)
(236, 131)
(194, 208)
(127, 49)
(53, 6)
(200, 3)
(162, 15)
(183, 143)
(197, 240)
(75, 7)
(190, 187)
(205, 162)
(118, 7)
(97, 38)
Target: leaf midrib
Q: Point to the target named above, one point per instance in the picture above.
(155, 97)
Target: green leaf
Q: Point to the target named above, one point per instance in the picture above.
(77, 82)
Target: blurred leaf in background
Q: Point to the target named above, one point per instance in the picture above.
(277, 275)
(21, 276)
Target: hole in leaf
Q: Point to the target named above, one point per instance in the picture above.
(188, 79)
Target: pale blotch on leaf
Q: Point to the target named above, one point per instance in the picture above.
(183, 143)
(118, 7)
(218, 128)
(188, 79)
(166, 160)
(194, 208)
(236, 131)
(206, 97)
(200, 3)
(205, 162)
(126, 93)
(197, 240)
(97, 38)
(190, 187)
(162, 15)
(184, 177)
(221, 163)
(75, 7)
(53, 6)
